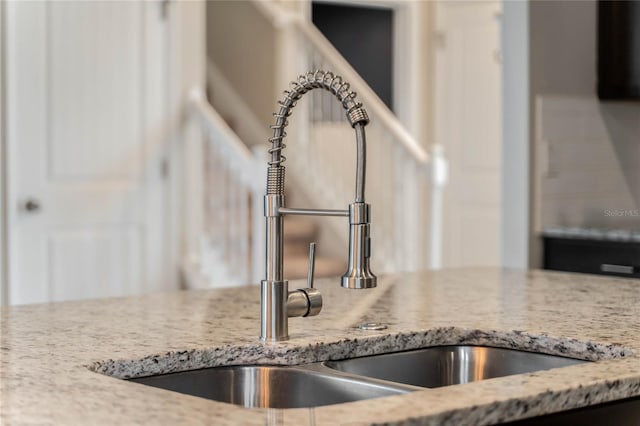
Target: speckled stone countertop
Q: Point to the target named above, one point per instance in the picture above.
(58, 361)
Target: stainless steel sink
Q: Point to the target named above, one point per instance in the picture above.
(335, 382)
(449, 365)
(274, 387)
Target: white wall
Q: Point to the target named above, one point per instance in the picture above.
(241, 43)
(563, 47)
(588, 162)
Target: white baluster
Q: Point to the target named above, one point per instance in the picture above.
(398, 214)
(389, 200)
(223, 224)
(257, 214)
(232, 242)
(411, 207)
(215, 192)
(243, 236)
(439, 177)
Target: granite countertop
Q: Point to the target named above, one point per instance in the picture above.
(597, 234)
(60, 362)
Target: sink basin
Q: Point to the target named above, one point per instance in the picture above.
(449, 365)
(273, 387)
(335, 382)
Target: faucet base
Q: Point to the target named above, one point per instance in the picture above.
(273, 311)
(277, 304)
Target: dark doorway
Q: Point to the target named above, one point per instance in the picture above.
(364, 36)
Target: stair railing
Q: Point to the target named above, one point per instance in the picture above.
(232, 245)
(404, 182)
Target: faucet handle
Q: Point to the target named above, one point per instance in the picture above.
(314, 298)
(312, 264)
(306, 302)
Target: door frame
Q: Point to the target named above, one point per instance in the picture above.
(186, 70)
(517, 195)
(4, 177)
(448, 18)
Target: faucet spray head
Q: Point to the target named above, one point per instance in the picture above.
(359, 273)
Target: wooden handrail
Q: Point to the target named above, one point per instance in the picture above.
(373, 103)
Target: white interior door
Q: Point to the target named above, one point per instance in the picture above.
(468, 111)
(86, 120)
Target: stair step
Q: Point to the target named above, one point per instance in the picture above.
(297, 267)
(299, 229)
(297, 249)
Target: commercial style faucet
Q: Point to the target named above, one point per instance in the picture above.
(277, 302)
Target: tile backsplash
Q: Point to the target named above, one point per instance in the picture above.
(587, 163)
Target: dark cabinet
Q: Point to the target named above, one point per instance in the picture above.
(619, 49)
(618, 258)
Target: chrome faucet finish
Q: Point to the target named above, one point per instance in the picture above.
(277, 302)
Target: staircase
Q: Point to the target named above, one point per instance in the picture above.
(404, 182)
(299, 232)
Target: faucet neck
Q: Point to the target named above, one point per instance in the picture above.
(355, 113)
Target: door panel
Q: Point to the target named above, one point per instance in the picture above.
(467, 123)
(95, 101)
(109, 259)
(86, 138)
